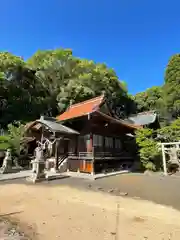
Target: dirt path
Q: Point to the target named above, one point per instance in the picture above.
(59, 212)
(161, 190)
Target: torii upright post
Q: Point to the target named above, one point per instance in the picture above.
(164, 159)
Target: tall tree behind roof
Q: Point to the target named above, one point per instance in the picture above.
(48, 81)
(67, 78)
(172, 85)
(18, 91)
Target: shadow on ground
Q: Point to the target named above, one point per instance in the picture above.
(161, 190)
(9, 214)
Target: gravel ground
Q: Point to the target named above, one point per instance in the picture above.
(10, 231)
(63, 212)
(161, 190)
(157, 189)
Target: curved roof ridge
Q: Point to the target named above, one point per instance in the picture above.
(87, 101)
(82, 108)
(120, 121)
(143, 113)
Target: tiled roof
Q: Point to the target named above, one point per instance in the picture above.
(56, 127)
(120, 121)
(81, 109)
(27, 139)
(52, 125)
(28, 125)
(143, 118)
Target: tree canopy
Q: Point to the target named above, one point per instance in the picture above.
(172, 86)
(50, 79)
(164, 99)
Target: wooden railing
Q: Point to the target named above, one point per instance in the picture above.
(81, 155)
(100, 155)
(85, 155)
(111, 154)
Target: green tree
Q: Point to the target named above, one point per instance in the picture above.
(150, 156)
(151, 99)
(20, 97)
(148, 139)
(48, 81)
(90, 79)
(8, 64)
(171, 87)
(8, 61)
(16, 132)
(5, 142)
(170, 133)
(68, 79)
(43, 58)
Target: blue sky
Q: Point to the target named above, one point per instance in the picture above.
(135, 38)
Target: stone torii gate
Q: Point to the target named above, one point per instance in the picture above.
(172, 149)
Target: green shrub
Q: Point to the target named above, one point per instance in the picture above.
(5, 142)
(150, 166)
(4, 146)
(170, 133)
(150, 155)
(16, 132)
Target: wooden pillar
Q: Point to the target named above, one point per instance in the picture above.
(75, 142)
(57, 154)
(164, 160)
(42, 133)
(90, 144)
(114, 144)
(104, 146)
(93, 156)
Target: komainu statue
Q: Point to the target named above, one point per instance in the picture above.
(7, 163)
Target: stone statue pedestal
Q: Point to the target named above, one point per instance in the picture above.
(38, 167)
(7, 163)
(5, 169)
(38, 173)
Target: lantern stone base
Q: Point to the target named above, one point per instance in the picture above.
(38, 173)
(35, 178)
(9, 169)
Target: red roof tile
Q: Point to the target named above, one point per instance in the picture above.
(82, 108)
